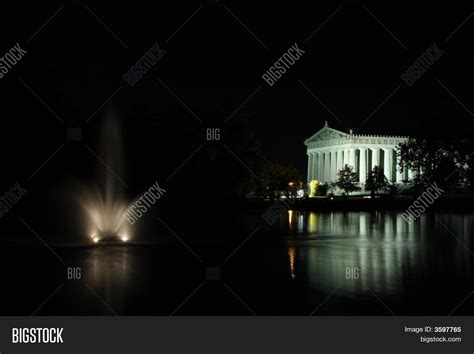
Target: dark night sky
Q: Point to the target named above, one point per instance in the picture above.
(213, 64)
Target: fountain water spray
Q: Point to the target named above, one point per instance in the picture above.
(104, 203)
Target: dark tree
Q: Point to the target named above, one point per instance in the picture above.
(280, 179)
(322, 189)
(434, 161)
(376, 181)
(347, 180)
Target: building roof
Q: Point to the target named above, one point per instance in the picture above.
(327, 133)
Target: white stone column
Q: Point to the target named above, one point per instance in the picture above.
(411, 174)
(352, 158)
(333, 165)
(340, 162)
(310, 166)
(322, 165)
(345, 161)
(363, 165)
(327, 166)
(399, 175)
(392, 156)
(314, 167)
(317, 167)
(387, 163)
(375, 157)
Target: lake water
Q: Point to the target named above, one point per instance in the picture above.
(333, 263)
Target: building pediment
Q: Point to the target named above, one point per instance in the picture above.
(325, 133)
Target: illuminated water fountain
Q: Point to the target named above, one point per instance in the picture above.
(104, 203)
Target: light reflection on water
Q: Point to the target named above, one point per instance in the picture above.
(303, 258)
(388, 252)
(109, 273)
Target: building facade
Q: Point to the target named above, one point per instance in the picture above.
(330, 149)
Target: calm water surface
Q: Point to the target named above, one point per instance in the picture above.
(334, 263)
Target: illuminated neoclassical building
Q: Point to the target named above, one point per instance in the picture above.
(330, 149)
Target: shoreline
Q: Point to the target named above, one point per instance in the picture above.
(358, 203)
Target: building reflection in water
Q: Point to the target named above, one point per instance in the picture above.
(291, 256)
(312, 223)
(381, 245)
